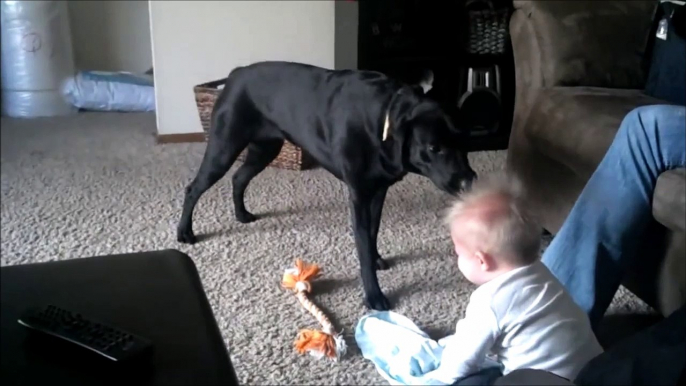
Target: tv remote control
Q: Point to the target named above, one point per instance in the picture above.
(108, 341)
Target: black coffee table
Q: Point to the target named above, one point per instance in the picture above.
(157, 295)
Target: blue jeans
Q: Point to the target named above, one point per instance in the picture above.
(602, 234)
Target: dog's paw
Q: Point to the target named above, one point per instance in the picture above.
(245, 217)
(186, 237)
(378, 302)
(381, 264)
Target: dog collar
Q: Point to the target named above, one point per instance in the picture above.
(386, 128)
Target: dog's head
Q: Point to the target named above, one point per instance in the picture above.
(431, 145)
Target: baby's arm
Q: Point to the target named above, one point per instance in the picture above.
(465, 351)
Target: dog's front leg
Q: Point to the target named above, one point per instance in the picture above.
(376, 212)
(366, 250)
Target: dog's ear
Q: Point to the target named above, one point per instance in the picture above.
(427, 81)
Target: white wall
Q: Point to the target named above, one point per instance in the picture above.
(111, 35)
(199, 41)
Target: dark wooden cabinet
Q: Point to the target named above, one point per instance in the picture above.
(405, 29)
(403, 38)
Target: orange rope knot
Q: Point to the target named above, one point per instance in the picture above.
(326, 343)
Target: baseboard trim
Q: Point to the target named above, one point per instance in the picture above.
(180, 138)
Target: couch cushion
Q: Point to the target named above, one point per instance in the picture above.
(591, 43)
(576, 125)
(669, 199)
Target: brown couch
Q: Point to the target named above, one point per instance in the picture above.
(580, 68)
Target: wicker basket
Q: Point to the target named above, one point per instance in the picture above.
(488, 30)
(291, 156)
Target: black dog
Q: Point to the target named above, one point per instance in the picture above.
(363, 127)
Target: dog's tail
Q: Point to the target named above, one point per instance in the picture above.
(232, 74)
(235, 71)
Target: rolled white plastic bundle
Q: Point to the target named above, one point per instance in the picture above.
(37, 58)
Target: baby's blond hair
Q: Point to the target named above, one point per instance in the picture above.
(510, 232)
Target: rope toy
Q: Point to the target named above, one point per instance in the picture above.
(318, 343)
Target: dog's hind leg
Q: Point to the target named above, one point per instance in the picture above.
(222, 150)
(260, 154)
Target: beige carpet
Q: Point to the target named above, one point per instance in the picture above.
(98, 184)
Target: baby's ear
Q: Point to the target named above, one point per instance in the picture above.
(486, 261)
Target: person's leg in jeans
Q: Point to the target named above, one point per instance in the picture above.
(603, 231)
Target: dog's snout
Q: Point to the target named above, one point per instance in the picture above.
(461, 182)
(467, 181)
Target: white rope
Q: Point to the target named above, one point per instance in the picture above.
(301, 286)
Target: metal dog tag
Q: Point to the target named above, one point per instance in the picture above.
(662, 28)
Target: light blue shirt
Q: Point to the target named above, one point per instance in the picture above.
(523, 318)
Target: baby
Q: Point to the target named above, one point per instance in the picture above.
(520, 314)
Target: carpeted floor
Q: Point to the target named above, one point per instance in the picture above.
(98, 184)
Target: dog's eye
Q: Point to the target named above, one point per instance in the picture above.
(434, 149)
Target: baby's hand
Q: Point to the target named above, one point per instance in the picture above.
(444, 341)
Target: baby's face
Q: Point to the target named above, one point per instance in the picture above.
(466, 247)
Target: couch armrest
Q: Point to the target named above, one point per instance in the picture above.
(581, 43)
